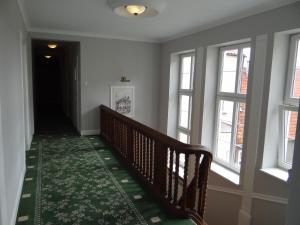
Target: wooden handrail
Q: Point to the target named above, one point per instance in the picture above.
(157, 160)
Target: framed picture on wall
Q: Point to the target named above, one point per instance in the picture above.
(122, 99)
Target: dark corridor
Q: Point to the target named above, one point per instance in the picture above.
(48, 97)
(55, 82)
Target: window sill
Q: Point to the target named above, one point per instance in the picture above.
(277, 173)
(226, 173)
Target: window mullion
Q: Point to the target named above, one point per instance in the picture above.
(217, 126)
(190, 113)
(191, 73)
(221, 64)
(238, 70)
(233, 133)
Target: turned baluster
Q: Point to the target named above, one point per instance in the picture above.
(113, 131)
(151, 160)
(130, 145)
(140, 150)
(109, 128)
(170, 174)
(176, 178)
(147, 158)
(118, 134)
(184, 191)
(121, 137)
(192, 199)
(124, 144)
(144, 155)
(134, 147)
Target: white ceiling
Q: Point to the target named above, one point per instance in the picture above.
(180, 17)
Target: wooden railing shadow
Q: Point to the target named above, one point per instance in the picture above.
(176, 173)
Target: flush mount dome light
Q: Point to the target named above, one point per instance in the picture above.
(137, 8)
(52, 45)
(48, 56)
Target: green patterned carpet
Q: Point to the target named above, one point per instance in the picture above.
(77, 180)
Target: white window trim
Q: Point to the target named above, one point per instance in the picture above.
(290, 103)
(235, 97)
(291, 71)
(188, 92)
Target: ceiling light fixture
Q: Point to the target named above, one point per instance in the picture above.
(48, 56)
(52, 45)
(137, 8)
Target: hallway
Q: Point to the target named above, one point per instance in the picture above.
(71, 179)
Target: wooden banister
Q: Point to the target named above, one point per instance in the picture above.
(175, 172)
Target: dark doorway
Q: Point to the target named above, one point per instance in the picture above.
(56, 82)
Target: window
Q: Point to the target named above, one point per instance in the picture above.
(231, 105)
(185, 93)
(290, 106)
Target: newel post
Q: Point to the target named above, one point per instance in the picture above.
(160, 167)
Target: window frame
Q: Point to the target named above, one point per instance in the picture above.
(288, 100)
(185, 92)
(289, 103)
(235, 97)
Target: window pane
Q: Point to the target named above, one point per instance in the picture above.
(243, 83)
(239, 141)
(184, 111)
(225, 130)
(228, 72)
(186, 64)
(296, 84)
(183, 137)
(185, 81)
(290, 135)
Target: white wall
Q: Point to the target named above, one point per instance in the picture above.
(102, 63)
(12, 124)
(259, 195)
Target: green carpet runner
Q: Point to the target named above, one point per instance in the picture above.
(77, 180)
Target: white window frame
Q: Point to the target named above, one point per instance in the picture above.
(187, 92)
(235, 98)
(288, 100)
(290, 103)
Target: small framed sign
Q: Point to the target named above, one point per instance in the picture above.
(122, 99)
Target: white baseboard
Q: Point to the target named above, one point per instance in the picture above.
(28, 145)
(18, 197)
(244, 218)
(90, 132)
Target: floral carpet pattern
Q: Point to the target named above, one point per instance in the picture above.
(75, 180)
